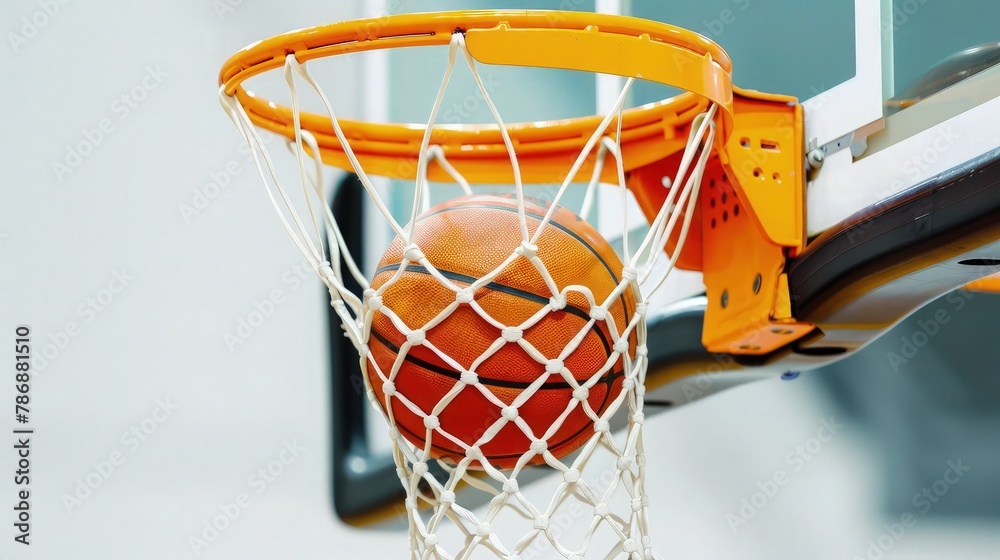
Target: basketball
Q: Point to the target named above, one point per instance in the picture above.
(465, 239)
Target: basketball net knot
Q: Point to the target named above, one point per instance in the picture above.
(527, 250)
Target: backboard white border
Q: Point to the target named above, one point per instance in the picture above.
(848, 106)
(844, 186)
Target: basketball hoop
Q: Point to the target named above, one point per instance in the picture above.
(687, 131)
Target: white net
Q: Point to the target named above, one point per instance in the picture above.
(590, 503)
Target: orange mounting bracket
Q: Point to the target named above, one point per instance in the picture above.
(752, 217)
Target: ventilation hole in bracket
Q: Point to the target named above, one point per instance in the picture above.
(724, 197)
(758, 173)
(769, 145)
(736, 210)
(711, 183)
(745, 142)
(711, 202)
(725, 216)
(713, 223)
(819, 350)
(777, 177)
(980, 262)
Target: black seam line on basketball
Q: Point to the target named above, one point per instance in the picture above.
(557, 445)
(538, 217)
(559, 226)
(505, 383)
(498, 287)
(607, 380)
(451, 451)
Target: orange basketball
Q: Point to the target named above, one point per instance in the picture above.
(465, 239)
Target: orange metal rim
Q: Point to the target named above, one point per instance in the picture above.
(618, 45)
(758, 148)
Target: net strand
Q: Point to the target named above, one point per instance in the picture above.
(319, 247)
(595, 178)
(662, 225)
(421, 196)
(585, 153)
(458, 41)
(695, 187)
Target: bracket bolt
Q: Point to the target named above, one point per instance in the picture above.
(815, 158)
